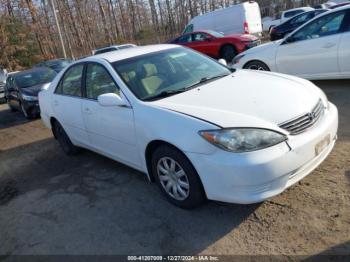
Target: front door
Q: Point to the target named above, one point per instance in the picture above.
(111, 129)
(312, 51)
(203, 43)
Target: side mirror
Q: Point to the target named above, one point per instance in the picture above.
(110, 99)
(222, 61)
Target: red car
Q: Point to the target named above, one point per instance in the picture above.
(217, 45)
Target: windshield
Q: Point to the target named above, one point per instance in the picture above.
(173, 70)
(58, 65)
(34, 78)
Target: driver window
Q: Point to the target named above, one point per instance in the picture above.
(199, 37)
(99, 82)
(185, 39)
(324, 26)
(300, 19)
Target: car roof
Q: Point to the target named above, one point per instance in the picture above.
(300, 8)
(340, 8)
(122, 54)
(113, 46)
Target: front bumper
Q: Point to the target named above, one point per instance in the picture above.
(254, 177)
(32, 107)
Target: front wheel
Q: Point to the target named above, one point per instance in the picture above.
(177, 178)
(257, 65)
(228, 52)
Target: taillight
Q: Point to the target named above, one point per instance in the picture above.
(246, 28)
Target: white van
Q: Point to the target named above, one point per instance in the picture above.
(244, 18)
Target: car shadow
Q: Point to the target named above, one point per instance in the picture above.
(336, 253)
(9, 118)
(88, 204)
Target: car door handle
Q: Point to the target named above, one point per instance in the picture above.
(55, 103)
(328, 45)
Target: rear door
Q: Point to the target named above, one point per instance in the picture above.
(312, 51)
(344, 49)
(67, 102)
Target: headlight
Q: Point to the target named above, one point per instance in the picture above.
(30, 98)
(240, 140)
(237, 59)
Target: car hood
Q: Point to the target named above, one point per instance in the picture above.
(246, 98)
(263, 47)
(34, 90)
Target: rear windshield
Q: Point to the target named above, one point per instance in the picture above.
(34, 78)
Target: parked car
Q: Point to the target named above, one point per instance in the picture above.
(196, 127)
(242, 18)
(280, 31)
(284, 16)
(56, 65)
(111, 48)
(22, 88)
(318, 49)
(217, 45)
(3, 76)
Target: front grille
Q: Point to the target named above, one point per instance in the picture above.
(304, 122)
(2, 86)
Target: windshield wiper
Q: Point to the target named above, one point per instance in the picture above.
(174, 92)
(164, 94)
(205, 80)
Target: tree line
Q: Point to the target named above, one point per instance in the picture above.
(28, 32)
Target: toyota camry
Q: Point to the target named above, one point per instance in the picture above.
(197, 128)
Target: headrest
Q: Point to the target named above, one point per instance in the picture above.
(150, 69)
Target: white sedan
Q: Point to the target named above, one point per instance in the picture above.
(197, 128)
(320, 49)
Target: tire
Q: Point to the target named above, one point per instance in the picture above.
(12, 109)
(182, 174)
(228, 52)
(256, 65)
(64, 141)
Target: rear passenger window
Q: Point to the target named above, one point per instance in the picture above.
(99, 82)
(71, 83)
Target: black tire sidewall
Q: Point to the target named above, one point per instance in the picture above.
(196, 193)
(257, 63)
(64, 140)
(228, 52)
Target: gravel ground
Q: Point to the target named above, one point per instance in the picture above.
(87, 204)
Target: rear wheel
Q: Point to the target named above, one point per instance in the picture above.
(228, 52)
(257, 65)
(64, 140)
(177, 178)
